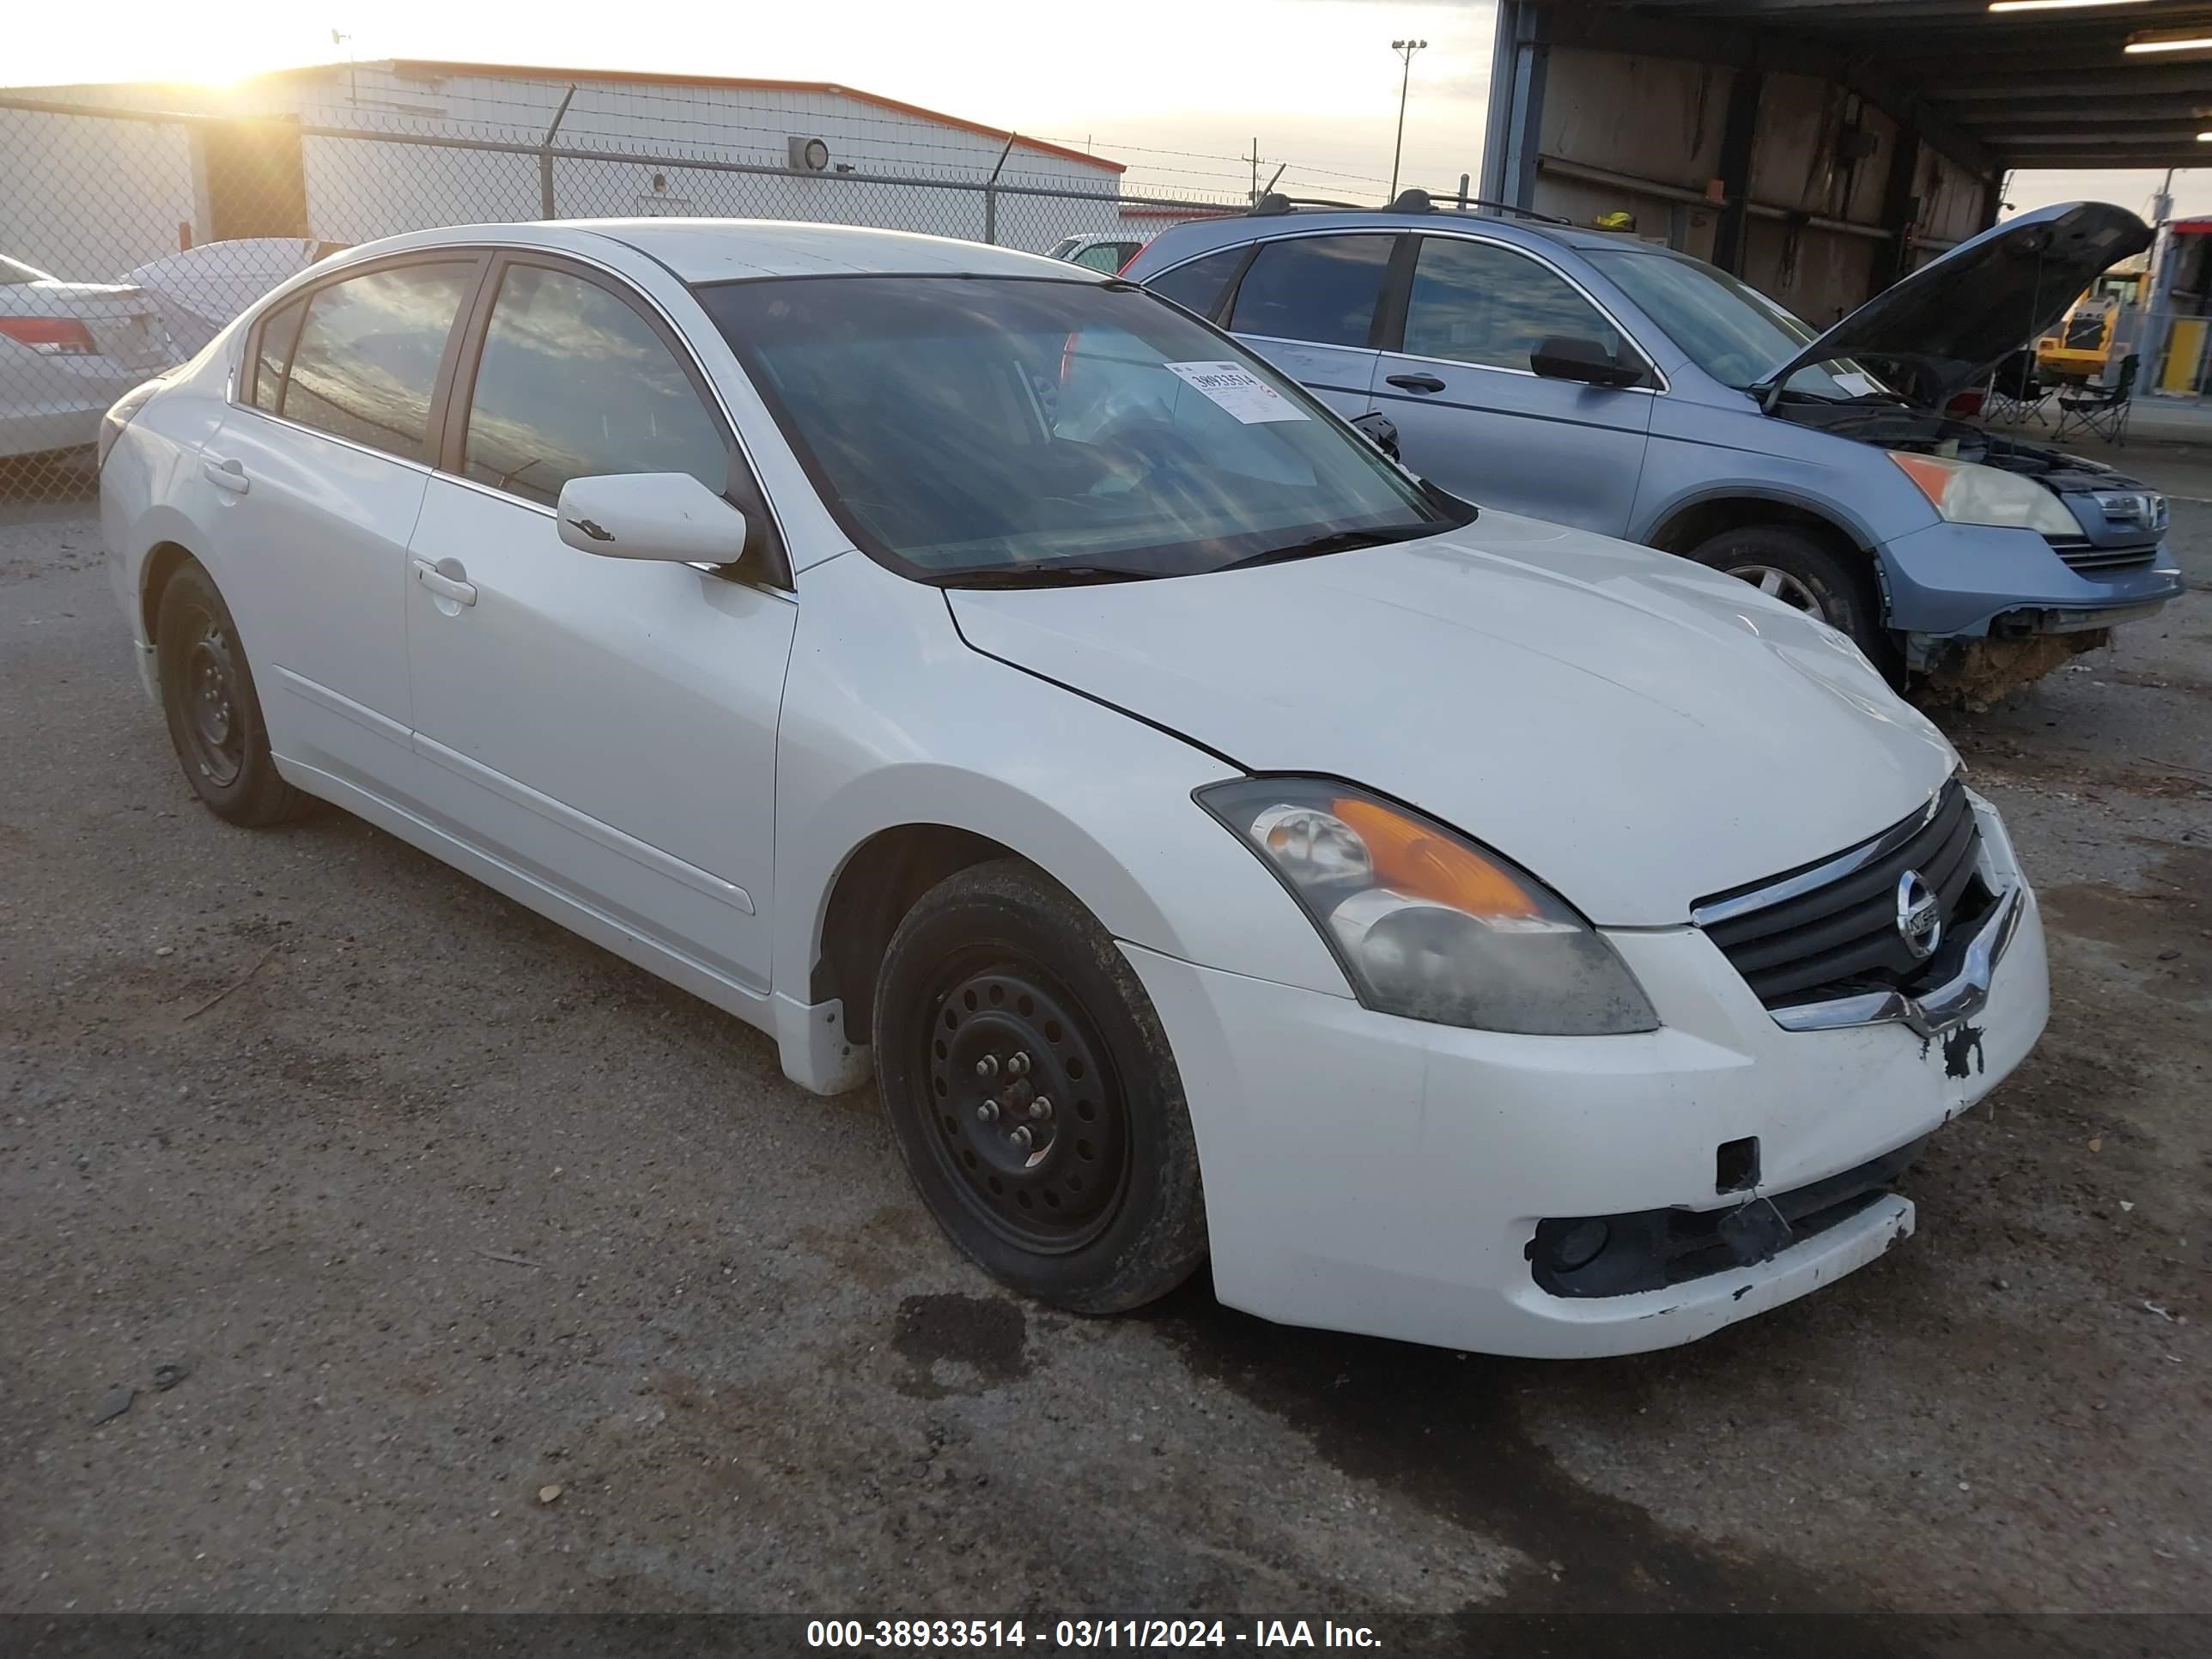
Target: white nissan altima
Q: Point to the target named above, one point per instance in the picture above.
(1217, 842)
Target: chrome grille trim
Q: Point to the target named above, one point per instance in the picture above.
(1820, 875)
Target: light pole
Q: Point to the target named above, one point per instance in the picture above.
(1405, 49)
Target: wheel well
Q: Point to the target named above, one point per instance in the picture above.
(1695, 526)
(162, 563)
(879, 884)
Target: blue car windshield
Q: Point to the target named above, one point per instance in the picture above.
(1014, 430)
(1729, 329)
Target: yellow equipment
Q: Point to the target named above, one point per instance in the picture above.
(2082, 350)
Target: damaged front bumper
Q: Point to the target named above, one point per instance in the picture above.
(1368, 1173)
(1948, 586)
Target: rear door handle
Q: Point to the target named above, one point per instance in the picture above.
(1417, 382)
(445, 586)
(226, 475)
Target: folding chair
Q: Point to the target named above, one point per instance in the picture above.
(2101, 410)
(2016, 396)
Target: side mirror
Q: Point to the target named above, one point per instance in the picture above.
(1380, 430)
(669, 516)
(1569, 357)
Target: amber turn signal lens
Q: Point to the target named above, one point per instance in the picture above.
(1932, 476)
(1416, 861)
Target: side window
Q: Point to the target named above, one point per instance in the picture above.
(279, 329)
(368, 354)
(1475, 302)
(1199, 285)
(1320, 288)
(1104, 258)
(573, 384)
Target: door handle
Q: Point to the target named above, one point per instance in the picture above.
(226, 475)
(445, 586)
(1417, 382)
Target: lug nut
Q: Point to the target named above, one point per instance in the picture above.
(1020, 1136)
(1018, 1065)
(987, 1066)
(1041, 1107)
(988, 1111)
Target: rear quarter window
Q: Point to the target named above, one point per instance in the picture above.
(1198, 284)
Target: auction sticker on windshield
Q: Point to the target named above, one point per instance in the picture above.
(1239, 391)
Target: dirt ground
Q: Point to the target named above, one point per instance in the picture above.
(436, 1209)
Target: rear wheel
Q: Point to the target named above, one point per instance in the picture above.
(1804, 572)
(214, 713)
(1032, 1094)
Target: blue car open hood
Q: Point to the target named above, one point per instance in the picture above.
(1953, 320)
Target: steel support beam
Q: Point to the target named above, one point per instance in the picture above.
(1739, 130)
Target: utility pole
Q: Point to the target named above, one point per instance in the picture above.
(1405, 49)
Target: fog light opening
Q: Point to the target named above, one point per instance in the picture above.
(1578, 1245)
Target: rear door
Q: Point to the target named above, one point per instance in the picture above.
(1311, 305)
(319, 467)
(1474, 418)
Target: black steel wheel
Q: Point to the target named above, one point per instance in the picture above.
(1032, 1094)
(1035, 1133)
(214, 713)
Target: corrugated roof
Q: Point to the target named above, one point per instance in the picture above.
(434, 67)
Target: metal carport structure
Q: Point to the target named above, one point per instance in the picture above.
(1821, 149)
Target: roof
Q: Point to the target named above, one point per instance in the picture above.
(2053, 86)
(729, 250)
(436, 68)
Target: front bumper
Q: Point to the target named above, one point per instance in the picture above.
(1966, 582)
(1373, 1174)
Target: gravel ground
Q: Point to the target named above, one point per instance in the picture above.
(437, 1208)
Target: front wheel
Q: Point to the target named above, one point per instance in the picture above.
(1785, 563)
(1032, 1094)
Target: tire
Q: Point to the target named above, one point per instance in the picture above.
(214, 713)
(1100, 1209)
(1804, 572)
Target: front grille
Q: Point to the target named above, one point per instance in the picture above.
(1839, 938)
(2081, 554)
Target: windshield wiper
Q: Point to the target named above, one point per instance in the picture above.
(1040, 575)
(1336, 541)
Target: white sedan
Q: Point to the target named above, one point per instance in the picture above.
(976, 671)
(67, 352)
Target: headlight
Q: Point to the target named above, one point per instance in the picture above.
(1965, 492)
(1426, 923)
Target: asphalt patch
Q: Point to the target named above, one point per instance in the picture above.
(1443, 1429)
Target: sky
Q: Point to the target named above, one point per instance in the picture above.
(1179, 89)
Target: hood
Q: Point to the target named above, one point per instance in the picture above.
(1950, 323)
(1638, 731)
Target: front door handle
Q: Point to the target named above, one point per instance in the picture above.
(226, 475)
(1417, 382)
(445, 586)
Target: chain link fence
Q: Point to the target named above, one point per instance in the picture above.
(129, 238)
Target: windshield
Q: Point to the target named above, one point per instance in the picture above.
(1730, 329)
(1009, 428)
(14, 271)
